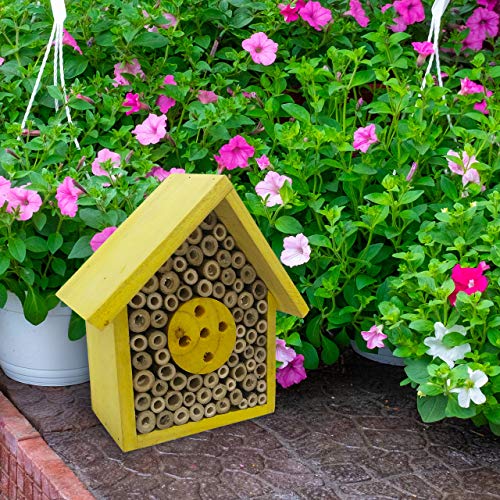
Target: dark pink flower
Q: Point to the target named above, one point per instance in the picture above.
(483, 22)
(423, 48)
(293, 373)
(364, 137)
(2, 60)
(410, 11)
(161, 174)
(489, 4)
(207, 96)
(169, 80)
(385, 7)
(70, 41)
(235, 154)
(263, 162)
(315, 15)
(67, 197)
(399, 26)
(165, 103)
(101, 237)
(133, 102)
(262, 49)
(290, 12)
(468, 280)
(469, 87)
(131, 68)
(24, 202)
(356, 10)
(374, 337)
(151, 130)
(474, 41)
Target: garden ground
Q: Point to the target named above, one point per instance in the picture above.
(346, 432)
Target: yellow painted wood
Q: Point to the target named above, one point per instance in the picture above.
(233, 213)
(271, 352)
(111, 277)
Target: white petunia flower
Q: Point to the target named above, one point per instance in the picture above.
(471, 391)
(448, 354)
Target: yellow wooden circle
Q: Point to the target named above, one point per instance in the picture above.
(201, 335)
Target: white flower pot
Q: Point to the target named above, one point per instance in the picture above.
(381, 355)
(42, 354)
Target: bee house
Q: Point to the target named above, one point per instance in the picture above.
(180, 305)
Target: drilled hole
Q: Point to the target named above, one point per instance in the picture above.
(184, 341)
(199, 311)
(204, 333)
(222, 326)
(179, 332)
(208, 356)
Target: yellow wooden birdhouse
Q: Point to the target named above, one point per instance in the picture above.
(180, 304)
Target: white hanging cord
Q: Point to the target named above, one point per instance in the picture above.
(59, 14)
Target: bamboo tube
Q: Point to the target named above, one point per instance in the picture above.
(228, 243)
(249, 382)
(180, 264)
(230, 299)
(157, 404)
(209, 223)
(145, 421)
(222, 406)
(233, 360)
(178, 382)
(223, 371)
(143, 381)
(209, 246)
(166, 372)
(166, 266)
(218, 290)
(219, 231)
(138, 342)
(182, 249)
(173, 400)
(238, 285)
(250, 365)
(165, 419)
(194, 256)
(171, 303)
(230, 384)
(142, 401)
(190, 276)
(238, 314)
(245, 299)
(239, 346)
(260, 370)
(251, 336)
(169, 283)
(211, 270)
(138, 301)
(261, 385)
(248, 274)
(260, 354)
(142, 360)
(241, 331)
(184, 293)
(188, 399)
(204, 288)
(195, 237)
(139, 320)
(261, 306)
(251, 317)
(219, 392)
(238, 259)
(194, 383)
(151, 285)
(262, 399)
(261, 340)
(154, 301)
(210, 410)
(259, 290)
(235, 397)
(239, 372)
(243, 404)
(196, 412)
(157, 340)
(160, 388)
(162, 357)
(204, 395)
(181, 416)
(228, 276)
(210, 380)
(248, 353)
(223, 258)
(253, 399)
(261, 326)
(159, 318)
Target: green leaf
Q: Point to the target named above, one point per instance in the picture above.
(58, 266)
(54, 242)
(3, 295)
(17, 249)
(362, 281)
(297, 112)
(36, 244)
(492, 413)
(151, 40)
(319, 240)
(76, 327)
(453, 409)
(241, 18)
(81, 249)
(313, 331)
(294, 339)
(362, 77)
(27, 275)
(380, 198)
(422, 326)
(448, 188)
(494, 337)
(453, 339)
(39, 220)
(416, 369)
(432, 408)
(330, 352)
(4, 263)
(93, 218)
(410, 197)
(288, 225)
(311, 358)
(34, 307)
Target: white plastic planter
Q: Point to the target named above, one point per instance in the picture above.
(42, 354)
(381, 355)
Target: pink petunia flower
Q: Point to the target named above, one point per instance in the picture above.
(468, 280)
(364, 137)
(67, 197)
(410, 11)
(423, 48)
(4, 190)
(2, 60)
(474, 40)
(133, 102)
(356, 10)
(165, 103)
(131, 68)
(469, 87)
(71, 42)
(482, 106)
(111, 159)
(169, 80)
(463, 167)
(315, 15)
(263, 162)
(374, 337)
(385, 7)
(151, 130)
(399, 26)
(235, 154)
(489, 4)
(24, 202)
(284, 354)
(262, 49)
(296, 250)
(269, 188)
(289, 12)
(483, 23)
(412, 171)
(161, 174)
(207, 96)
(293, 373)
(99, 238)
(170, 18)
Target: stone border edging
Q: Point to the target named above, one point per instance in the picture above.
(29, 469)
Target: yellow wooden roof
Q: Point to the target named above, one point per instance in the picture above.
(116, 271)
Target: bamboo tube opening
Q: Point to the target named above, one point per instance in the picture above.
(209, 246)
(248, 274)
(189, 399)
(139, 320)
(219, 392)
(238, 259)
(223, 406)
(173, 400)
(159, 318)
(181, 416)
(261, 386)
(194, 256)
(228, 243)
(209, 222)
(157, 404)
(223, 258)
(165, 419)
(194, 382)
(171, 303)
(249, 382)
(260, 370)
(151, 285)
(261, 340)
(235, 397)
(262, 399)
(230, 299)
(190, 276)
(239, 346)
(245, 299)
(218, 290)
(250, 365)
(162, 356)
(251, 317)
(253, 399)
(260, 354)
(166, 266)
(154, 301)
(228, 276)
(166, 372)
(259, 290)
(262, 306)
(157, 340)
(211, 270)
(204, 288)
(248, 352)
(138, 342)
(210, 410)
(142, 360)
(138, 301)
(160, 388)
(233, 360)
(238, 314)
(142, 401)
(251, 336)
(240, 331)
(239, 372)
(145, 421)
(261, 326)
(195, 237)
(143, 381)
(230, 384)
(219, 232)
(238, 285)
(169, 283)
(204, 395)
(182, 249)
(184, 293)
(180, 264)
(196, 412)
(223, 371)
(243, 404)
(210, 380)
(178, 382)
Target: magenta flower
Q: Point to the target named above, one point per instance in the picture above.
(70, 41)
(235, 154)
(364, 137)
(105, 156)
(24, 202)
(151, 130)
(169, 80)
(263, 162)
(4, 190)
(423, 48)
(399, 26)
(356, 10)
(469, 87)
(385, 7)
(262, 49)
(207, 96)
(374, 337)
(468, 280)
(315, 15)
(291, 13)
(489, 4)
(293, 373)
(296, 250)
(483, 23)
(99, 238)
(269, 188)
(474, 40)
(2, 60)
(482, 106)
(161, 174)
(284, 354)
(131, 68)
(410, 11)
(67, 197)
(133, 102)
(165, 103)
